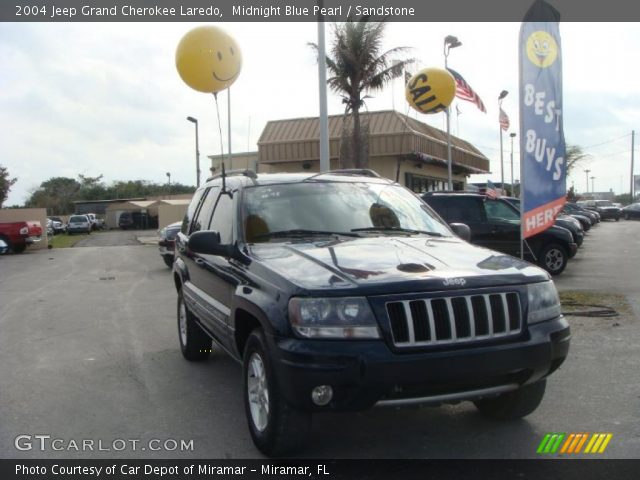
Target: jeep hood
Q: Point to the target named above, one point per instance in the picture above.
(392, 264)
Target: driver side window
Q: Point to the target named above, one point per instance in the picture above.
(497, 210)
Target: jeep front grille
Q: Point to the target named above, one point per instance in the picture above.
(438, 321)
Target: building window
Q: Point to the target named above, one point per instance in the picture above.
(423, 184)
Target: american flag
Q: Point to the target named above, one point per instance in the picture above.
(465, 92)
(504, 120)
(491, 191)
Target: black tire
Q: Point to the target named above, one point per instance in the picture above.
(553, 258)
(276, 428)
(617, 219)
(19, 248)
(513, 405)
(168, 261)
(194, 343)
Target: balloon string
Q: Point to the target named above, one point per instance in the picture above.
(215, 95)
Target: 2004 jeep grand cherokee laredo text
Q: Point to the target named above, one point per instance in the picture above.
(344, 290)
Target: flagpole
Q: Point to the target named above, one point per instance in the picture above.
(449, 42)
(503, 94)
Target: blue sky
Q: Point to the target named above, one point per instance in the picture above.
(105, 98)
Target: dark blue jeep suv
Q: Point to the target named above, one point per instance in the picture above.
(344, 291)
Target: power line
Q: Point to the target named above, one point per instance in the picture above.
(606, 142)
(614, 154)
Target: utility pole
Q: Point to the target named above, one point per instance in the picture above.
(593, 189)
(633, 137)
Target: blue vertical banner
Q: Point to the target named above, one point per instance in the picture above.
(543, 170)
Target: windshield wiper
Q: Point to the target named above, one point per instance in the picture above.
(396, 229)
(299, 232)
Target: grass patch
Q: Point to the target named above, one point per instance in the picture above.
(63, 240)
(617, 302)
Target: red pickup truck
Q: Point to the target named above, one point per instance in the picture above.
(18, 235)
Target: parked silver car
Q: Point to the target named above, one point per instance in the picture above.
(79, 224)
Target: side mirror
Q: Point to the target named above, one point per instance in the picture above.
(461, 230)
(207, 242)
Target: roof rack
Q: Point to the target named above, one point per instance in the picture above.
(363, 172)
(234, 173)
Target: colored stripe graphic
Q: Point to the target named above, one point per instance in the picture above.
(550, 442)
(572, 443)
(598, 443)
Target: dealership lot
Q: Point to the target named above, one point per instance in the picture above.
(89, 351)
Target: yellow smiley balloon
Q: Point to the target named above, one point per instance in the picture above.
(208, 59)
(431, 90)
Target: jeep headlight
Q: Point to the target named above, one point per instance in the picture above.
(544, 303)
(347, 317)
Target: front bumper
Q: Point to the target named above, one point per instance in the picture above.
(609, 214)
(363, 373)
(573, 249)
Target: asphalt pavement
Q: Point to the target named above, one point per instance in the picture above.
(89, 351)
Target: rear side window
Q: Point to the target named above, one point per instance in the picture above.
(457, 208)
(78, 219)
(191, 210)
(203, 215)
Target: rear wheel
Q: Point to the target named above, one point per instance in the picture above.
(194, 343)
(513, 405)
(168, 260)
(553, 258)
(19, 248)
(276, 428)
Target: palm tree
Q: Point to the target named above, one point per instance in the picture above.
(574, 156)
(356, 67)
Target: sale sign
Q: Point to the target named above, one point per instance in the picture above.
(542, 146)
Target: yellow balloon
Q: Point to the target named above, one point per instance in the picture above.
(208, 59)
(431, 90)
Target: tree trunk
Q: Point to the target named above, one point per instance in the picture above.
(358, 161)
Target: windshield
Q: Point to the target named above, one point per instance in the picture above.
(78, 220)
(604, 203)
(335, 207)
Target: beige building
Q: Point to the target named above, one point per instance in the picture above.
(400, 148)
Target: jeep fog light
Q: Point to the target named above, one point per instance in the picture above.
(342, 317)
(322, 395)
(544, 302)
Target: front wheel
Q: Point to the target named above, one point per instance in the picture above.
(19, 248)
(553, 258)
(168, 261)
(194, 343)
(276, 428)
(513, 405)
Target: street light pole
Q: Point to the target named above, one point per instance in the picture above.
(503, 94)
(512, 135)
(592, 187)
(323, 119)
(449, 42)
(169, 182)
(195, 122)
(587, 173)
